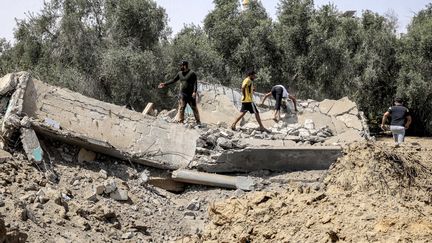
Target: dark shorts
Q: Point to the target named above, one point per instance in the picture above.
(277, 92)
(251, 107)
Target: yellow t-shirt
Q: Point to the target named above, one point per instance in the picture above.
(247, 95)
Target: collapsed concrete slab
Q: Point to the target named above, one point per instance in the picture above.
(99, 126)
(340, 116)
(11, 121)
(274, 159)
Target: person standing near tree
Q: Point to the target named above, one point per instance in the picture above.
(188, 91)
(247, 101)
(279, 92)
(400, 121)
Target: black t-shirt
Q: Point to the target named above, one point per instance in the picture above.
(188, 82)
(398, 114)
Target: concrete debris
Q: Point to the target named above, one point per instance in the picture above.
(4, 156)
(110, 186)
(274, 159)
(99, 189)
(119, 195)
(149, 109)
(167, 184)
(11, 120)
(144, 177)
(31, 145)
(86, 155)
(99, 127)
(7, 84)
(195, 177)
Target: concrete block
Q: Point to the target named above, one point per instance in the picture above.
(7, 83)
(31, 145)
(110, 186)
(261, 143)
(326, 105)
(216, 107)
(149, 109)
(209, 179)
(52, 123)
(351, 121)
(109, 129)
(342, 106)
(274, 159)
(119, 195)
(349, 136)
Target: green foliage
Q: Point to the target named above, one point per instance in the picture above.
(192, 44)
(130, 77)
(415, 77)
(140, 23)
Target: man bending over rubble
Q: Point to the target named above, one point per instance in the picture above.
(279, 92)
(247, 101)
(188, 91)
(400, 121)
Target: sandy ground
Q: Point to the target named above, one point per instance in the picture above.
(374, 193)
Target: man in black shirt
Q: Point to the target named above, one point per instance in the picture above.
(400, 121)
(188, 90)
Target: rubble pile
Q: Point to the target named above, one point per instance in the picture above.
(94, 200)
(374, 193)
(74, 169)
(367, 167)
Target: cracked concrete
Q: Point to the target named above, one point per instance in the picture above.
(105, 128)
(102, 127)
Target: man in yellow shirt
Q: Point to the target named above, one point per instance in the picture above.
(247, 101)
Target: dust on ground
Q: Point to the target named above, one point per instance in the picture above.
(374, 193)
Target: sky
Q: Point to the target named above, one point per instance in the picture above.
(194, 11)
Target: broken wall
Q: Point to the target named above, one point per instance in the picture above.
(341, 117)
(106, 128)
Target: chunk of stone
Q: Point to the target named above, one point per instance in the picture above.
(99, 189)
(119, 195)
(309, 124)
(224, 143)
(91, 196)
(194, 206)
(4, 156)
(103, 174)
(144, 177)
(86, 155)
(149, 109)
(31, 145)
(342, 106)
(110, 186)
(127, 235)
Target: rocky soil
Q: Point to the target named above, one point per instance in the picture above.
(375, 193)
